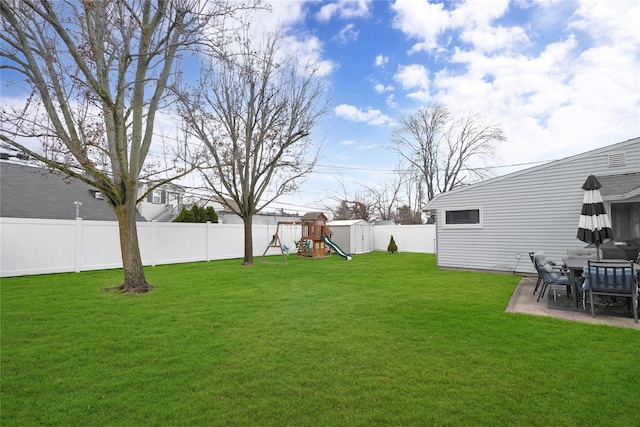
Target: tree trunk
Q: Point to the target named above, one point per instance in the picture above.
(248, 241)
(134, 279)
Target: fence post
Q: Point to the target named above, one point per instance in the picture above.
(78, 246)
(154, 230)
(207, 244)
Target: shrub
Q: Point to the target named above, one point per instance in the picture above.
(392, 246)
(197, 214)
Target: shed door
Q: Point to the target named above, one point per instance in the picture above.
(362, 238)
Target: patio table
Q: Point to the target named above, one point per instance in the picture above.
(574, 265)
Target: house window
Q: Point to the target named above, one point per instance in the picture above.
(157, 196)
(463, 218)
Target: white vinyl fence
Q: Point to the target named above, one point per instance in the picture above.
(42, 246)
(409, 238)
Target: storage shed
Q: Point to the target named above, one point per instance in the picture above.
(353, 236)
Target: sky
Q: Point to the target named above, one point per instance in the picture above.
(559, 77)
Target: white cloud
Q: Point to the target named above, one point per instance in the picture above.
(370, 116)
(347, 142)
(284, 17)
(281, 14)
(609, 22)
(574, 93)
(422, 20)
(413, 76)
(310, 50)
(391, 101)
(380, 88)
(490, 39)
(381, 60)
(478, 13)
(427, 21)
(345, 9)
(347, 34)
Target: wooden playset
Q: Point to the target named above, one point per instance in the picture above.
(315, 240)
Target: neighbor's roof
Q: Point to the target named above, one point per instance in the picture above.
(620, 187)
(33, 192)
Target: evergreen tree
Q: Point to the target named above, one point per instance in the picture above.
(392, 246)
(197, 214)
(185, 215)
(210, 215)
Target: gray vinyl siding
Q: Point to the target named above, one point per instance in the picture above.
(536, 209)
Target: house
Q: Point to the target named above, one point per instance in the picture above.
(494, 224)
(352, 236)
(163, 204)
(227, 216)
(33, 192)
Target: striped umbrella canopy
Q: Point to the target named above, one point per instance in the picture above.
(594, 226)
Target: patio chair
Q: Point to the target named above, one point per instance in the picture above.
(613, 279)
(552, 275)
(531, 254)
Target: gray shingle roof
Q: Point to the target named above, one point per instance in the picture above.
(32, 192)
(619, 187)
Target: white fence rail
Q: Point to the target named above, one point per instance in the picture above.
(42, 246)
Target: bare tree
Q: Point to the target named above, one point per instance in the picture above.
(385, 197)
(442, 148)
(98, 73)
(414, 192)
(254, 110)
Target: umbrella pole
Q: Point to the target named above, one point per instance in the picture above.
(597, 252)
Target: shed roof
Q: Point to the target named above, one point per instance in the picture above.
(32, 192)
(338, 222)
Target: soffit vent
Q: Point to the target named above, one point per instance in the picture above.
(617, 160)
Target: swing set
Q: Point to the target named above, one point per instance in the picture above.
(311, 243)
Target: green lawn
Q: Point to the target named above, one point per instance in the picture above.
(381, 340)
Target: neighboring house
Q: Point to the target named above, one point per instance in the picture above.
(33, 192)
(163, 204)
(227, 216)
(492, 225)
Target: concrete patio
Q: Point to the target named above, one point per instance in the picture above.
(523, 301)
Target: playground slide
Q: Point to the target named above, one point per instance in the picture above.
(335, 248)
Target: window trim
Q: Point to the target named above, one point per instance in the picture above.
(480, 223)
(156, 193)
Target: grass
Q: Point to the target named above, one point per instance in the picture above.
(381, 340)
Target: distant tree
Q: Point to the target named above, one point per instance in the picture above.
(351, 209)
(186, 215)
(254, 110)
(210, 215)
(385, 197)
(392, 246)
(441, 147)
(407, 216)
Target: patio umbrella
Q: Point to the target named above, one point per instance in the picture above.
(594, 226)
